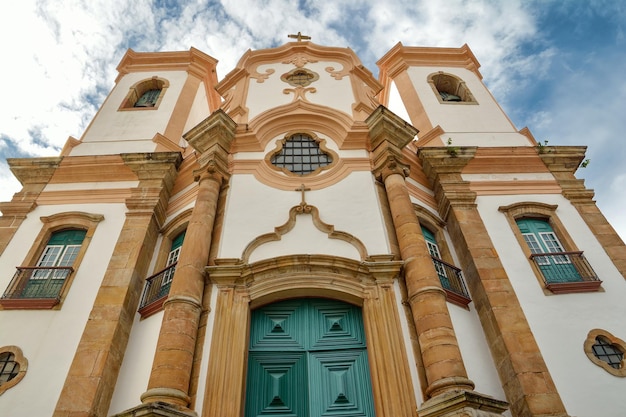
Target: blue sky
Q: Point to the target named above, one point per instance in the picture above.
(555, 66)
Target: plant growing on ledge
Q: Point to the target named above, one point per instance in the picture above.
(541, 147)
(584, 163)
(452, 150)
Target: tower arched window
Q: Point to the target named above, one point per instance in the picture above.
(146, 94)
(450, 88)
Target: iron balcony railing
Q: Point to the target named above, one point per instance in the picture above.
(564, 267)
(37, 282)
(157, 286)
(451, 278)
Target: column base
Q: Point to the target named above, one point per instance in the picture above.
(462, 404)
(157, 409)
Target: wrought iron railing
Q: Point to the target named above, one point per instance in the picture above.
(33, 282)
(451, 278)
(564, 267)
(157, 286)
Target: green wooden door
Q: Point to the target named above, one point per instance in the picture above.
(540, 238)
(307, 358)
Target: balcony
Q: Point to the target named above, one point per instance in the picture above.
(35, 287)
(156, 290)
(566, 272)
(451, 279)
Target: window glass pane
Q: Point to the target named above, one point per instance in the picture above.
(301, 155)
(8, 367)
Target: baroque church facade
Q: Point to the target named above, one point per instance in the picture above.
(300, 238)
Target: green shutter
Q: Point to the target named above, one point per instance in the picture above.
(308, 358)
(540, 238)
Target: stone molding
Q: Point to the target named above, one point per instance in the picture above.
(304, 208)
(368, 284)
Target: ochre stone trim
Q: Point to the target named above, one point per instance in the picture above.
(85, 196)
(463, 404)
(234, 87)
(34, 174)
(90, 381)
(525, 377)
(299, 115)
(136, 91)
(588, 348)
(242, 287)
(461, 89)
(194, 61)
(22, 363)
(403, 56)
(563, 161)
(175, 354)
(304, 208)
(275, 179)
(92, 168)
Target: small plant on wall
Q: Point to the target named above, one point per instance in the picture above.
(452, 150)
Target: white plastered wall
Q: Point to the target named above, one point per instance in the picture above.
(113, 131)
(49, 338)
(482, 124)
(560, 323)
(351, 206)
(329, 91)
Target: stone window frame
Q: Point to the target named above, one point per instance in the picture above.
(437, 227)
(139, 88)
(52, 224)
(21, 361)
(588, 348)
(322, 146)
(547, 213)
(457, 87)
(169, 232)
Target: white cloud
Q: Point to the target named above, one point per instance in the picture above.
(61, 58)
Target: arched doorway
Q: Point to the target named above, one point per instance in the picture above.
(308, 357)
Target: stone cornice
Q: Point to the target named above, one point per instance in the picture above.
(34, 170)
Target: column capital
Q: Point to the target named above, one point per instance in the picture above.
(212, 139)
(388, 135)
(563, 161)
(156, 173)
(443, 168)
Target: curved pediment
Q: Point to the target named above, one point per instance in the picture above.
(299, 71)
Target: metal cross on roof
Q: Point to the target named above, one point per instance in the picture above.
(300, 37)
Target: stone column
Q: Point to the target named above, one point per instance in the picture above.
(439, 349)
(525, 377)
(92, 375)
(173, 360)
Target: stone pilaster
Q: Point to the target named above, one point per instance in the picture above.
(525, 377)
(563, 161)
(91, 379)
(441, 356)
(34, 174)
(173, 362)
